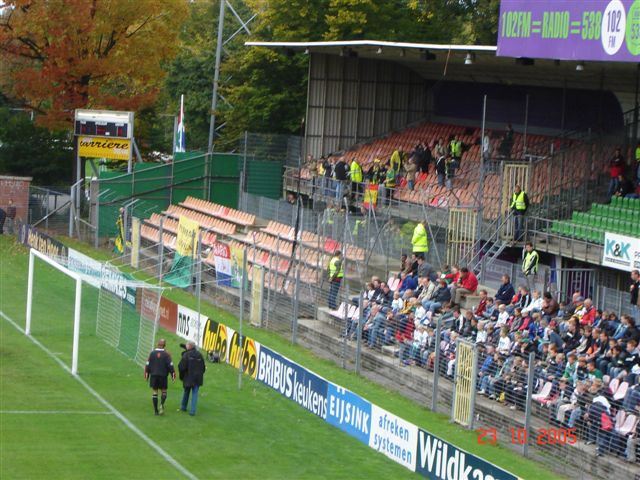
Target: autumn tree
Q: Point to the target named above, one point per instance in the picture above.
(59, 55)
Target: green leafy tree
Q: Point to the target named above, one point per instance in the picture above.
(32, 151)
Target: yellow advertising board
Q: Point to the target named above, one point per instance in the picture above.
(100, 147)
(187, 237)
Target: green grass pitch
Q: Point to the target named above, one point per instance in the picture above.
(52, 427)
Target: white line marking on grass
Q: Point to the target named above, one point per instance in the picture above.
(109, 407)
(52, 412)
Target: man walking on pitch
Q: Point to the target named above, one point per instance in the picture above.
(159, 366)
(191, 369)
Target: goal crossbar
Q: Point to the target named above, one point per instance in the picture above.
(33, 254)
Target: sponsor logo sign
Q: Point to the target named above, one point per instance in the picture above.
(603, 30)
(148, 302)
(44, 244)
(621, 252)
(249, 353)
(349, 412)
(394, 437)
(114, 281)
(440, 460)
(293, 381)
(89, 268)
(189, 326)
(215, 337)
(112, 148)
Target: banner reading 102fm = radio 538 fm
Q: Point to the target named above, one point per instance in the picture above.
(601, 30)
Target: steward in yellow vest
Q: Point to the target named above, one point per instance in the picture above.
(419, 240)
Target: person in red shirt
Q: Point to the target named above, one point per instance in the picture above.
(616, 168)
(466, 284)
(587, 314)
(482, 306)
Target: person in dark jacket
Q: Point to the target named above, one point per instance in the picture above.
(506, 291)
(191, 368)
(3, 216)
(158, 367)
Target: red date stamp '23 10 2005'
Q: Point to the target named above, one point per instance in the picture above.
(544, 436)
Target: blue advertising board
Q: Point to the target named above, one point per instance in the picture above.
(349, 412)
(293, 381)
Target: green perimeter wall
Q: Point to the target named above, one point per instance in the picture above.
(156, 186)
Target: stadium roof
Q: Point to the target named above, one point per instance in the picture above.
(436, 62)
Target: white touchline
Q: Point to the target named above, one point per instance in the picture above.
(52, 412)
(109, 407)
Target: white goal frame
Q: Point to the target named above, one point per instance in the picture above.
(33, 254)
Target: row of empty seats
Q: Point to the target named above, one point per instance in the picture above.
(205, 221)
(152, 234)
(621, 216)
(171, 225)
(220, 211)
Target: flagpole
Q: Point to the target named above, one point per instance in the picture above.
(175, 132)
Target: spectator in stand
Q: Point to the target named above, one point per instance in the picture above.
(519, 206)
(407, 282)
(450, 166)
(398, 303)
(441, 296)
(550, 306)
(340, 175)
(486, 149)
(404, 264)
(625, 188)
(389, 183)
(441, 169)
(336, 273)
(587, 313)
(395, 162)
(503, 315)
(410, 169)
(412, 265)
(631, 331)
(419, 240)
(440, 150)
(426, 270)
(616, 168)
(634, 289)
(522, 299)
(535, 305)
(530, 259)
(455, 149)
(479, 309)
(374, 174)
(11, 217)
(506, 292)
(355, 172)
(507, 142)
(466, 285)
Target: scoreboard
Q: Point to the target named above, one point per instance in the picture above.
(104, 123)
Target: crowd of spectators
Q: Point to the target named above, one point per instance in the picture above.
(587, 361)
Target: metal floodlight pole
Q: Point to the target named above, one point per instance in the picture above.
(242, 288)
(216, 76)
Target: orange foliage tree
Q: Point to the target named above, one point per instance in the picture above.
(59, 55)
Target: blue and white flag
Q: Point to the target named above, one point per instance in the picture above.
(181, 142)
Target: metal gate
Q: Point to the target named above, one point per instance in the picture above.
(564, 282)
(461, 233)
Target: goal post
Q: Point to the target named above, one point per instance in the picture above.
(126, 311)
(33, 254)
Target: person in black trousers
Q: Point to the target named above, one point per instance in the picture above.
(191, 368)
(159, 366)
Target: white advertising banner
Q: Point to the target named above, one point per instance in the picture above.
(188, 326)
(393, 436)
(621, 252)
